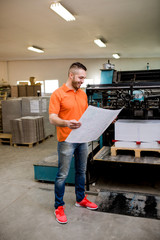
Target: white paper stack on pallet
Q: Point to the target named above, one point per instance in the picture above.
(137, 133)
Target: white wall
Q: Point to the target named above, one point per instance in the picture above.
(3, 72)
(58, 68)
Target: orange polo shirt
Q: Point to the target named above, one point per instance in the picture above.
(68, 105)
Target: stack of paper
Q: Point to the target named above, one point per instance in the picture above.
(26, 106)
(11, 109)
(137, 133)
(38, 106)
(33, 128)
(29, 129)
(17, 131)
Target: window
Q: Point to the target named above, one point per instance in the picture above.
(97, 81)
(90, 81)
(86, 82)
(50, 85)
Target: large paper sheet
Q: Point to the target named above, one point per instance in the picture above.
(94, 122)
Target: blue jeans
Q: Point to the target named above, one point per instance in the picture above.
(65, 154)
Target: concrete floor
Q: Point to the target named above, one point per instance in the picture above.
(26, 206)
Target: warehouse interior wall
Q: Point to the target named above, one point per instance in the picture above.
(13, 71)
(3, 72)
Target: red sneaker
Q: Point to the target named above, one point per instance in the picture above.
(86, 203)
(60, 215)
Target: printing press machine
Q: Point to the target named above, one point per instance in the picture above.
(137, 91)
(138, 94)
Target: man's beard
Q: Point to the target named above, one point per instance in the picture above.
(75, 84)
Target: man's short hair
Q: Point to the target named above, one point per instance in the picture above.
(75, 66)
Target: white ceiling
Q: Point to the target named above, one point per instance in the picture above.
(130, 27)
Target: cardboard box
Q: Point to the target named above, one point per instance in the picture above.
(37, 90)
(22, 92)
(14, 91)
(30, 91)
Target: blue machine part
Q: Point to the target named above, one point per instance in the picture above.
(47, 172)
(106, 76)
(97, 96)
(138, 95)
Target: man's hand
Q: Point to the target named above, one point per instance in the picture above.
(114, 120)
(55, 120)
(73, 124)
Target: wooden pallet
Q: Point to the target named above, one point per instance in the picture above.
(136, 150)
(30, 145)
(49, 136)
(6, 138)
(3, 96)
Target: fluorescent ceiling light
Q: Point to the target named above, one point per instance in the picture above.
(60, 10)
(35, 49)
(116, 55)
(100, 43)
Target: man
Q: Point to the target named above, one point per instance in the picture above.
(67, 105)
